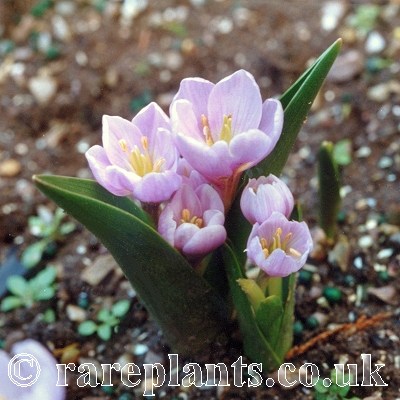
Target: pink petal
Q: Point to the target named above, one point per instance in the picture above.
(209, 198)
(184, 234)
(205, 240)
(99, 163)
(196, 91)
(272, 119)
(249, 148)
(156, 187)
(115, 129)
(212, 162)
(149, 120)
(185, 121)
(237, 95)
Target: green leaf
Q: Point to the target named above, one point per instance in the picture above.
(33, 253)
(10, 303)
(104, 331)
(44, 278)
(67, 228)
(342, 152)
(269, 316)
(44, 294)
(329, 189)
(17, 285)
(296, 102)
(187, 309)
(120, 308)
(104, 315)
(87, 328)
(286, 338)
(255, 345)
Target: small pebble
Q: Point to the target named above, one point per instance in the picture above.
(365, 241)
(375, 43)
(10, 168)
(140, 349)
(358, 262)
(298, 328)
(43, 88)
(75, 313)
(332, 294)
(385, 162)
(384, 254)
(363, 152)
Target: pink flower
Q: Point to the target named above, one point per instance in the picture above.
(45, 387)
(138, 158)
(278, 246)
(193, 221)
(223, 129)
(262, 196)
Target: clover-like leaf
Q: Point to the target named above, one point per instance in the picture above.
(87, 328)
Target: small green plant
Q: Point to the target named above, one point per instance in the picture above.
(24, 293)
(333, 391)
(329, 190)
(106, 320)
(50, 229)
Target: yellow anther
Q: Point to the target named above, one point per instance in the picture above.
(145, 143)
(141, 161)
(123, 144)
(185, 215)
(277, 243)
(158, 164)
(294, 252)
(226, 131)
(206, 130)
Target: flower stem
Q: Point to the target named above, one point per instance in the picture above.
(275, 286)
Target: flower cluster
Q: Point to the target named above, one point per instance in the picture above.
(189, 165)
(276, 245)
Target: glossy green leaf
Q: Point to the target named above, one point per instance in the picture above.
(187, 309)
(329, 190)
(286, 329)
(255, 345)
(269, 316)
(296, 102)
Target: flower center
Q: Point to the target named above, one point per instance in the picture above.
(141, 161)
(276, 242)
(226, 130)
(186, 217)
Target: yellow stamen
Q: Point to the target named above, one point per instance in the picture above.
(141, 161)
(124, 145)
(206, 130)
(226, 131)
(186, 217)
(277, 243)
(294, 252)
